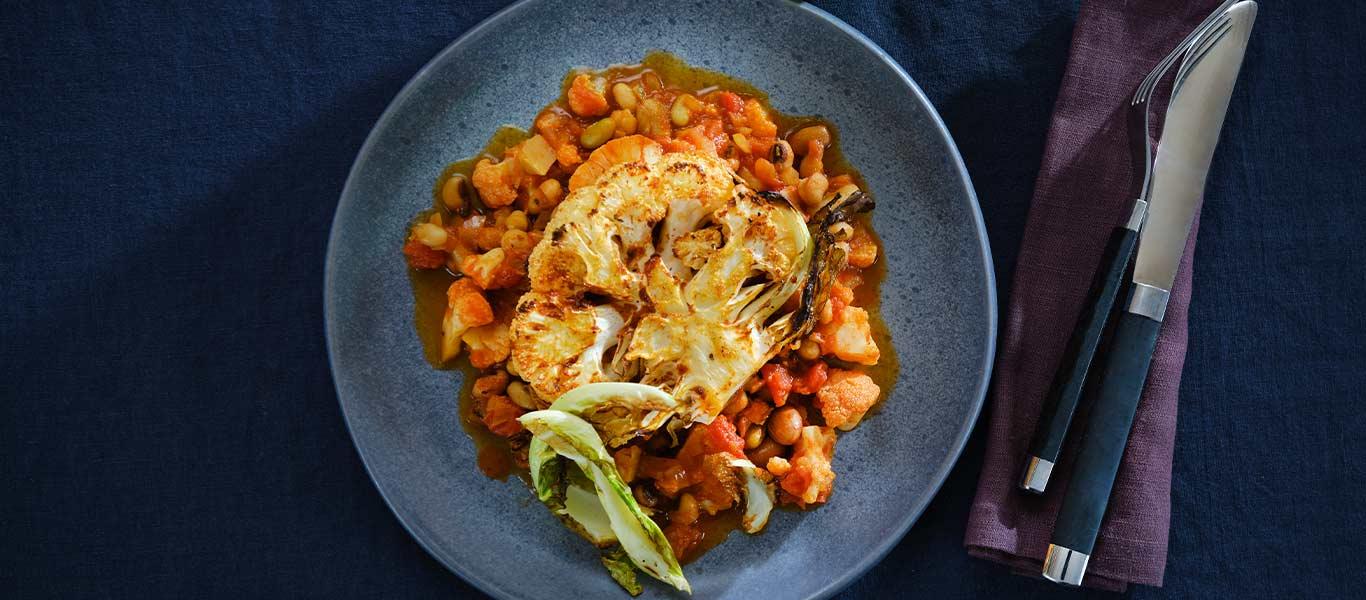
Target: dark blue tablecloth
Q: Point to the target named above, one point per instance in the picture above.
(168, 426)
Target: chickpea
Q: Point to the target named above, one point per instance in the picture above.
(552, 190)
(782, 153)
(814, 161)
(626, 122)
(488, 238)
(785, 425)
(754, 437)
(687, 508)
(812, 189)
(802, 138)
(453, 192)
(646, 495)
(598, 133)
(431, 236)
(520, 396)
(679, 113)
(842, 231)
(809, 350)
(737, 403)
(741, 142)
(517, 220)
(516, 242)
(766, 450)
(624, 96)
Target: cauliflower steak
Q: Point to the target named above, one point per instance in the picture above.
(667, 270)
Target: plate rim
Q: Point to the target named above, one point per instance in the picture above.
(912, 515)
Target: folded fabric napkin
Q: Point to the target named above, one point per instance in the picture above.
(1081, 194)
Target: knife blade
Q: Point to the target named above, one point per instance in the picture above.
(1194, 118)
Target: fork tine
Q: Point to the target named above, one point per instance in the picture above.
(1199, 53)
(1199, 36)
(1145, 89)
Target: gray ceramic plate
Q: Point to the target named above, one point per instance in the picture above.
(939, 297)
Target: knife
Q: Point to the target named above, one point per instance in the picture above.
(1194, 118)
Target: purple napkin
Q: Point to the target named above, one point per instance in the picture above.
(1082, 193)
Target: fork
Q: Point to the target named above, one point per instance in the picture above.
(1050, 431)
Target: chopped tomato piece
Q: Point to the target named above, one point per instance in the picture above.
(841, 296)
(722, 437)
(812, 379)
(490, 385)
(731, 102)
(682, 537)
(718, 436)
(778, 381)
(654, 467)
(422, 257)
(719, 488)
(767, 174)
(862, 248)
(500, 416)
(669, 475)
(758, 120)
(754, 414)
(690, 455)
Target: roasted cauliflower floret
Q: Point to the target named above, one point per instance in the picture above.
(489, 344)
(466, 308)
(846, 397)
(497, 182)
(558, 343)
(849, 336)
(810, 478)
(694, 248)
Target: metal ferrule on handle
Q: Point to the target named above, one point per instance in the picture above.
(1149, 301)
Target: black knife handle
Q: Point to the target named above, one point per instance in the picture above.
(1107, 433)
(1050, 431)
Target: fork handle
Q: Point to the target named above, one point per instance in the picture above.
(1050, 431)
